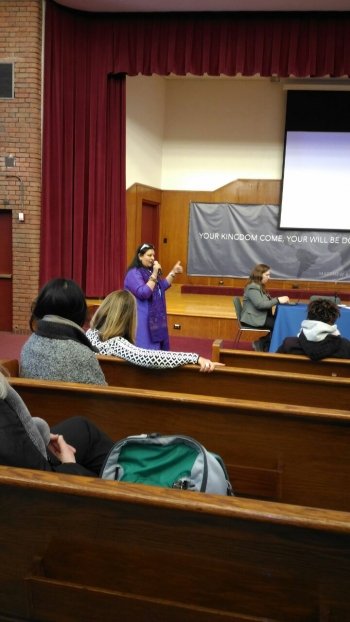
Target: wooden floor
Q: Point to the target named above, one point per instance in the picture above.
(192, 304)
(199, 305)
(198, 315)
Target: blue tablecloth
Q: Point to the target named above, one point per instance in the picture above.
(289, 318)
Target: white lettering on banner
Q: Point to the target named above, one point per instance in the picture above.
(226, 239)
(292, 239)
(271, 238)
(245, 236)
(319, 239)
(335, 275)
(209, 236)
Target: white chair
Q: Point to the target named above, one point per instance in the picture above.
(241, 329)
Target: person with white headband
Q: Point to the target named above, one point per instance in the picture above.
(144, 279)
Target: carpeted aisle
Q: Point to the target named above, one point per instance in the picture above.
(11, 344)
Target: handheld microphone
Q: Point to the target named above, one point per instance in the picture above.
(160, 272)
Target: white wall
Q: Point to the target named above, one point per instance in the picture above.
(145, 106)
(208, 133)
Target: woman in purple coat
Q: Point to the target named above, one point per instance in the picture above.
(143, 279)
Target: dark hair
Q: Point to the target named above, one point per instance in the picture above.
(141, 250)
(257, 273)
(62, 297)
(323, 310)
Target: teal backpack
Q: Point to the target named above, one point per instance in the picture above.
(168, 461)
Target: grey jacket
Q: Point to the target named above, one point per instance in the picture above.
(256, 304)
(60, 352)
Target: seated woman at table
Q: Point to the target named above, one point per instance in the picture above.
(319, 336)
(112, 331)
(258, 304)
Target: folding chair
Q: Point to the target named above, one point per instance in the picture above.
(241, 329)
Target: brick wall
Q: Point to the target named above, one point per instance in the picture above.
(20, 134)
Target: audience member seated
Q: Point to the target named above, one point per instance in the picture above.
(112, 333)
(258, 304)
(74, 446)
(319, 336)
(58, 349)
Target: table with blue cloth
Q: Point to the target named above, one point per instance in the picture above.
(289, 318)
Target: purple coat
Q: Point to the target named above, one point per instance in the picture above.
(152, 329)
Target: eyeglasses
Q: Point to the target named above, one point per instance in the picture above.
(144, 246)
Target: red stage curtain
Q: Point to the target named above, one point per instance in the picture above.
(83, 231)
(83, 211)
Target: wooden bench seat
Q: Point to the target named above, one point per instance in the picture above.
(293, 454)
(234, 382)
(292, 363)
(83, 550)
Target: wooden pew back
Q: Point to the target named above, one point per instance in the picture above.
(291, 363)
(11, 365)
(292, 454)
(77, 549)
(237, 382)
(241, 383)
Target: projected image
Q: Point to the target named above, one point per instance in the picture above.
(316, 168)
(316, 184)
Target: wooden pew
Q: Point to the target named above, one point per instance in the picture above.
(234, 382)
(272, 451)
(237, 382)
(291, 363)
(83, 550)
(11, 365)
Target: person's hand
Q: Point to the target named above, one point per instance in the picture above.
(206, 365)
(283, 300)
(178, 269)
(61, 449)
(156, 268)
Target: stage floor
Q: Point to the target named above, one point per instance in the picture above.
(192, 304)
(199, 305)
(202, 316)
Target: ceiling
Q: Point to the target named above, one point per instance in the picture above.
(161, 6)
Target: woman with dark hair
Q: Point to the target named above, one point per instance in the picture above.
(144, 280)
(319, 337)
(257, 304)
(112, 331)
(58, 349)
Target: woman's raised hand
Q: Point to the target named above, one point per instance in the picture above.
(178, 269)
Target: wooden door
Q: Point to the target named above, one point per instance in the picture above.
(150, 223)
(6, 270)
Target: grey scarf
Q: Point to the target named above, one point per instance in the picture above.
(37, 429)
